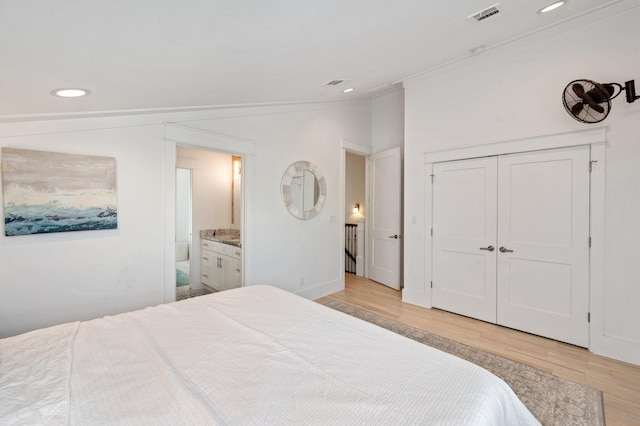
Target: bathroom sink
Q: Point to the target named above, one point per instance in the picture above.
(228, 240)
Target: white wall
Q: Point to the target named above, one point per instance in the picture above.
(354, 187)
(48, 279)
(51, 278)
(514, 92)
(296, 255)
(387, 123)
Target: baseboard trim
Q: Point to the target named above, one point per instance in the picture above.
(322, 290)
(415, 298)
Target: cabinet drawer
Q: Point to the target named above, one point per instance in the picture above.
(227, 249)
(207, 256)
(205, 275)
(214, 246)
(221, 248)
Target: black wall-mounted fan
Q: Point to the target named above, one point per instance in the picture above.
(590, 102)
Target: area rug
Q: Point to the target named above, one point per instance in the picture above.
(552, 400)
(182, 278)
(186, 292)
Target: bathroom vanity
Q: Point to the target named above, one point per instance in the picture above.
(221, 262)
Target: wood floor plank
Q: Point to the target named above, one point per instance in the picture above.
(619, 381)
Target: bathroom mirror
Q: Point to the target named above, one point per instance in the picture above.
(303, 190)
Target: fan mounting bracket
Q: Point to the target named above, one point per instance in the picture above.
(630, 91)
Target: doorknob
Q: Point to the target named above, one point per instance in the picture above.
(490, 248)
(394, 236)
(505, 250)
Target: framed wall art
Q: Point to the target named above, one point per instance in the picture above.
(46, 192)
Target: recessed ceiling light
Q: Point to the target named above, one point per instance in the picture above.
(70, 93)
(552, 6)
(350, 89)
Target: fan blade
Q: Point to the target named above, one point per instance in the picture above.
(596, 107)
(596, 95)
(578, 90)
(577, 109)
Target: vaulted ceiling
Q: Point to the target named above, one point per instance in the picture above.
(171, 54)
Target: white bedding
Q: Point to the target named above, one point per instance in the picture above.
(254, 355)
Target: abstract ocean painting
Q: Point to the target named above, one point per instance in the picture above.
(52, 192)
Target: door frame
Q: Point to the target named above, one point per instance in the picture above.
(177, 134)
(190, 216)
(365, 151)
(596, 138)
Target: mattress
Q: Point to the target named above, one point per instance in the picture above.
(253, 355)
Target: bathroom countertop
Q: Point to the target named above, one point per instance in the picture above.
(224, 236)
(224, 239)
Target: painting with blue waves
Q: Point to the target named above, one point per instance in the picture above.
(48, 192)
(25, 220)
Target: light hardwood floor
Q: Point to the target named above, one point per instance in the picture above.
(619, 382)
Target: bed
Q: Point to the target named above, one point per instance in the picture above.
(253, 355)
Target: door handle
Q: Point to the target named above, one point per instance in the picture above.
(505, 250)
(490, 248)
(396, 236)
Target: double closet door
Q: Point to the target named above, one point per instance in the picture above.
(511, 241)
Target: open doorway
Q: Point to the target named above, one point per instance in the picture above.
(379, 236)
(209, 206)
(354, 215)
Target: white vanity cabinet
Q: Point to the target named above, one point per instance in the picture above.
(206, 258)
(237, 267)
(221, 267)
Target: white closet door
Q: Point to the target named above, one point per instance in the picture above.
(464, 234)
(543, 223)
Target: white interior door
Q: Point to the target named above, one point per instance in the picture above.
(384, 217)
(464, 237)
(543, 223)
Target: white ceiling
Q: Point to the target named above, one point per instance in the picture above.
(165, 54)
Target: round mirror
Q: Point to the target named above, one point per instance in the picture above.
(303, 190)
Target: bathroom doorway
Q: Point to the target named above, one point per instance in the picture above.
(209, 204)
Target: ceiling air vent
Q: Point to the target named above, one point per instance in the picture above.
(333, 82)
(486, 13)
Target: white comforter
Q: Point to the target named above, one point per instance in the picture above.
(255, 355)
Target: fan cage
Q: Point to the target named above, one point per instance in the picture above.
(587, 114)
